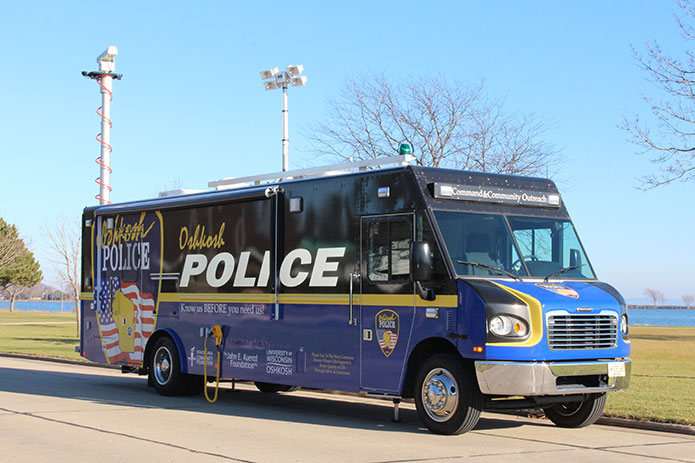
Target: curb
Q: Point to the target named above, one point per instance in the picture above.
(538, 414)
(59, 360)
(647, 425)
(606, 420)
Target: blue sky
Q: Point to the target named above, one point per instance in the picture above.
(191, 107)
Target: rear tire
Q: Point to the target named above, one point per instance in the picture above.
(271, 388)
(165, 369)
(577, 414)
(447, 400)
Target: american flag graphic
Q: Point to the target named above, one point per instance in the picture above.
(143, 322)
(392, 339)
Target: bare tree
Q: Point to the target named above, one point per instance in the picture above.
(63, 238)
(672, 140)
(688, 300)
(447, 124)
(657, 297)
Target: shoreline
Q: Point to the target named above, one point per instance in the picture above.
(33, 301)
(659, 307)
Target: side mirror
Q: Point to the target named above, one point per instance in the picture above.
(420, 261)
(575, 258)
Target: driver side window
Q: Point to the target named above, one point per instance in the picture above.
(388, 258)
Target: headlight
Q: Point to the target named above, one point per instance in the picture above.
(623, 324)
(503, 325)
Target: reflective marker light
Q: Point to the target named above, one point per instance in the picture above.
(296, 204)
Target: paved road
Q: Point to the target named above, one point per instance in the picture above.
(58, 412)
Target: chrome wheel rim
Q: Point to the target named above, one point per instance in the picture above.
(162, 365)
(439, 394)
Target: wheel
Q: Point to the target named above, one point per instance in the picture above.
(446, 399)
(272, 388)
(577, 414)
(165, 369)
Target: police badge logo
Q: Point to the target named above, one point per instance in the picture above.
(559, 289)
(387, 325)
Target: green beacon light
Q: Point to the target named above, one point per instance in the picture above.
(405, 148)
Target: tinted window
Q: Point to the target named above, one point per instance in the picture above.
(388, 257)
(550, 245)
(478, 238)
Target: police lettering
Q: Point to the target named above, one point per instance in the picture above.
(386, 320)
(126, 256)
(221, 267)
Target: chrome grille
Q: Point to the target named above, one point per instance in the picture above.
(582, 331)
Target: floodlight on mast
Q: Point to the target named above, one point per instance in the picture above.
(273, 79)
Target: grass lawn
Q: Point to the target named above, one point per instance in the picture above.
(662, 387)
(47, 338)
(31, 317)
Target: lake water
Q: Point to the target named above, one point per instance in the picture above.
(652, 317)
(42, 306)
(662, 317)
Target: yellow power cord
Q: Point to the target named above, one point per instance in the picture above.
(217, 333)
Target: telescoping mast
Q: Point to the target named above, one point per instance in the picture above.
(104, 77)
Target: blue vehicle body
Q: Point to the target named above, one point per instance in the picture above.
(312, 284)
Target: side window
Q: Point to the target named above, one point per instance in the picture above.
(86, 253)
(388, 258)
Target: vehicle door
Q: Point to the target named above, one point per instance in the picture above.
(387, 300)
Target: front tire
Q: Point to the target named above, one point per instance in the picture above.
(577, 414)
(446, 399)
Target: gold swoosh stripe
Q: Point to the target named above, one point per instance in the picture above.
(536, 313)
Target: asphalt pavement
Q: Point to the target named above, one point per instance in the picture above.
(61, 412)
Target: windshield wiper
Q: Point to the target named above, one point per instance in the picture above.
(489, 267)
(562, 270)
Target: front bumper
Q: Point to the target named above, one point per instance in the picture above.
(552, 378)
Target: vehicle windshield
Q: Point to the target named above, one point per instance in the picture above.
(535, 247)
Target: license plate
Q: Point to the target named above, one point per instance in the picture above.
(616, 369)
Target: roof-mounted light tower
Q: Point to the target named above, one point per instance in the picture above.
(274, 78)
(104, 77)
